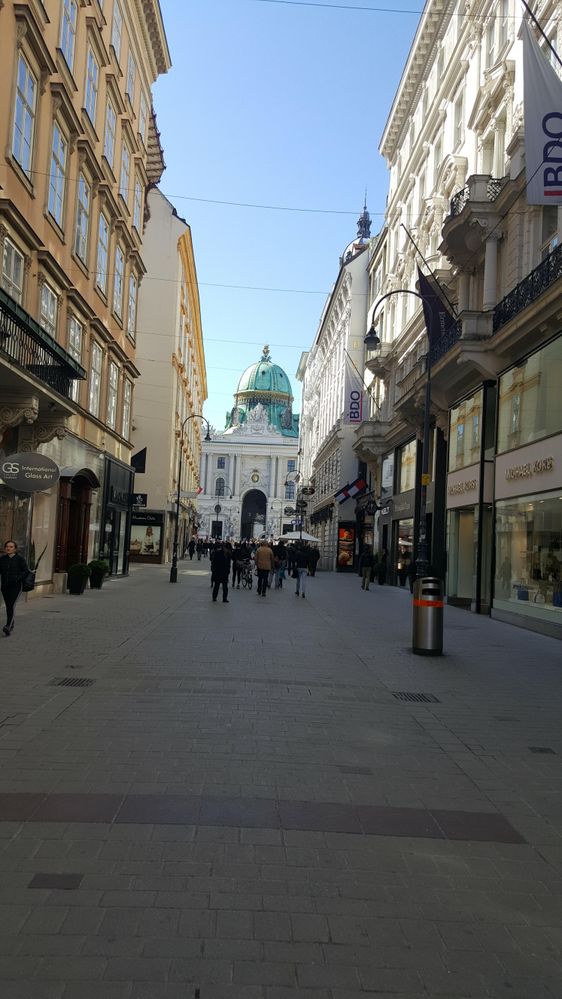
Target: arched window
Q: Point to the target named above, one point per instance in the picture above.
(219, 487)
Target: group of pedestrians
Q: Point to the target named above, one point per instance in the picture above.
(272, 562)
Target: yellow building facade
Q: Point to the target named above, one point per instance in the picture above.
(80, 147)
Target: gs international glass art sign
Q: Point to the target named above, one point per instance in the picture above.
(29, 472)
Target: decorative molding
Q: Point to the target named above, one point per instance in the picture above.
(17, 410)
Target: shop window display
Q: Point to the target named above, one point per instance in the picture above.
(530, 402)
(529, 555)
(407, 467)
(464, 433)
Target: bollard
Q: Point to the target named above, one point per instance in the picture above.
(427, 632)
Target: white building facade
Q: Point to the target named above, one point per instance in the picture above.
(248, 472)
(332, 400)
(454, 144)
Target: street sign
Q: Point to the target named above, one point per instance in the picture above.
(426, 479)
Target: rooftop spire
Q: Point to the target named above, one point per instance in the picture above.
(364, 222)
(266, 355)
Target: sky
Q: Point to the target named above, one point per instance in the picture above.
(274, 103)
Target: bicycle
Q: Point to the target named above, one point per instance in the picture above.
(247, 575)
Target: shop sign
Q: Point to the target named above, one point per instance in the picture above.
(146, 536)
(463, 486)
(384, 511)
(536, 466)
(29, 472)
(403, 505)
(139, 499)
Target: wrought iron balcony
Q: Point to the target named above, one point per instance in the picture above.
(468, 192)
(528, 290)
(445, 342)
(26, 344)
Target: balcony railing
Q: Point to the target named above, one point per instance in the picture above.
(445, 342)
(528, 290)
(462, 197)
(26, 344)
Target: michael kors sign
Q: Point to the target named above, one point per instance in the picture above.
(533, 468)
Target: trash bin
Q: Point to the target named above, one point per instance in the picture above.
(427, 632)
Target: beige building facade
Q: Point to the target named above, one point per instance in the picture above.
(172, 388)
(79, 147)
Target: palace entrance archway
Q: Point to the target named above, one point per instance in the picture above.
(254, 508)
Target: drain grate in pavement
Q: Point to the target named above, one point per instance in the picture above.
(70, 681)
(542, 749)
(409, 695)
(61, 882)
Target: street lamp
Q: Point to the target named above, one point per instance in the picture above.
(174, 567)
(372, 342)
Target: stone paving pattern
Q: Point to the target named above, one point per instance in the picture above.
(178, 827)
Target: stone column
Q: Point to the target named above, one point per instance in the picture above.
(490, 273)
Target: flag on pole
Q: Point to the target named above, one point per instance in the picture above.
(542, 98)
(438, 319)
(357, 487)
(199, 490)
(342, 494)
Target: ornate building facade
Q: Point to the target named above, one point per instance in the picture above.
(454, 146)
(248, 472)
(80, 146)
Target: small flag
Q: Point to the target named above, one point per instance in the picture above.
(342, 494)
(199, 490)
(357, 487)
(438, 319)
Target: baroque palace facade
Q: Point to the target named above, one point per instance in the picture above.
(80, 146)
(454, 145)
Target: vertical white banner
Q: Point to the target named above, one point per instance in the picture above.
(542, 91)
(353, 401)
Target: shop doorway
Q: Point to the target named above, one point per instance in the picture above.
(254, 508)
(403, 550)
(462, 547)
(75, 502)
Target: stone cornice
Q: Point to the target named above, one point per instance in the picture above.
(154, 36)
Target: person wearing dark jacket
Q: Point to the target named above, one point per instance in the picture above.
(366, 563)
(380, 568)
(13, 569)
(220, 571)
(301, 569)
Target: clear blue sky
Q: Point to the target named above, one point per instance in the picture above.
(274, 104)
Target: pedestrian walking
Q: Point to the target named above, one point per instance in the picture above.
(300, 571)
(366, 563)
(313, 558)
(220, 571)
(191, 548)
(13, 569)
(265, 564)
(199, 548)
(236, 565)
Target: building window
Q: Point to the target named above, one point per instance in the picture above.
(437, 158)
(57, 177)
(24, 117)
(82, 219)
(118, 282)
(137, 205)
(48, 309)
(221, 462)
(530, 401)
(143, 117)
(109, 137)
(289, 490)
(75, 350)
(407, 467)
(549, 231)
(464, 432)
(96, 362)
(125, 173)
(132, 308)
(503, 23)
(489, 41)
(291, 465)
(12, 271)
(127, 396)
(116, 30)
(219, 487)
(92, 83)
(131, 77)
(103, 253)
(112, 389)
(458, 120)
(68, 31)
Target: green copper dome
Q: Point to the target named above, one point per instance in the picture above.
(265, 384)
(264, 376)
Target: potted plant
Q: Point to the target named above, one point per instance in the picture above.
(78, 576)
(99, 568)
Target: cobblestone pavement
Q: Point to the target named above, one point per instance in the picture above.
(245, 800)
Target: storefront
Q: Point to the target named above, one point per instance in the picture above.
(116, 516)
(528, 493)
(346, 554)
(147, 536)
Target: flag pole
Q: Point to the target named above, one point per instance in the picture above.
(419, 252)
(546, 38)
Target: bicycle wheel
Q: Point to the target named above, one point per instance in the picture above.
(250, 582)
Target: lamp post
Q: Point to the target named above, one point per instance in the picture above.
(174, 566)
(372, 342)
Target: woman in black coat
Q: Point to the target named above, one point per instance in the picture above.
(13, 569)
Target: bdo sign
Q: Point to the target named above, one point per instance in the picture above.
(29, 473)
